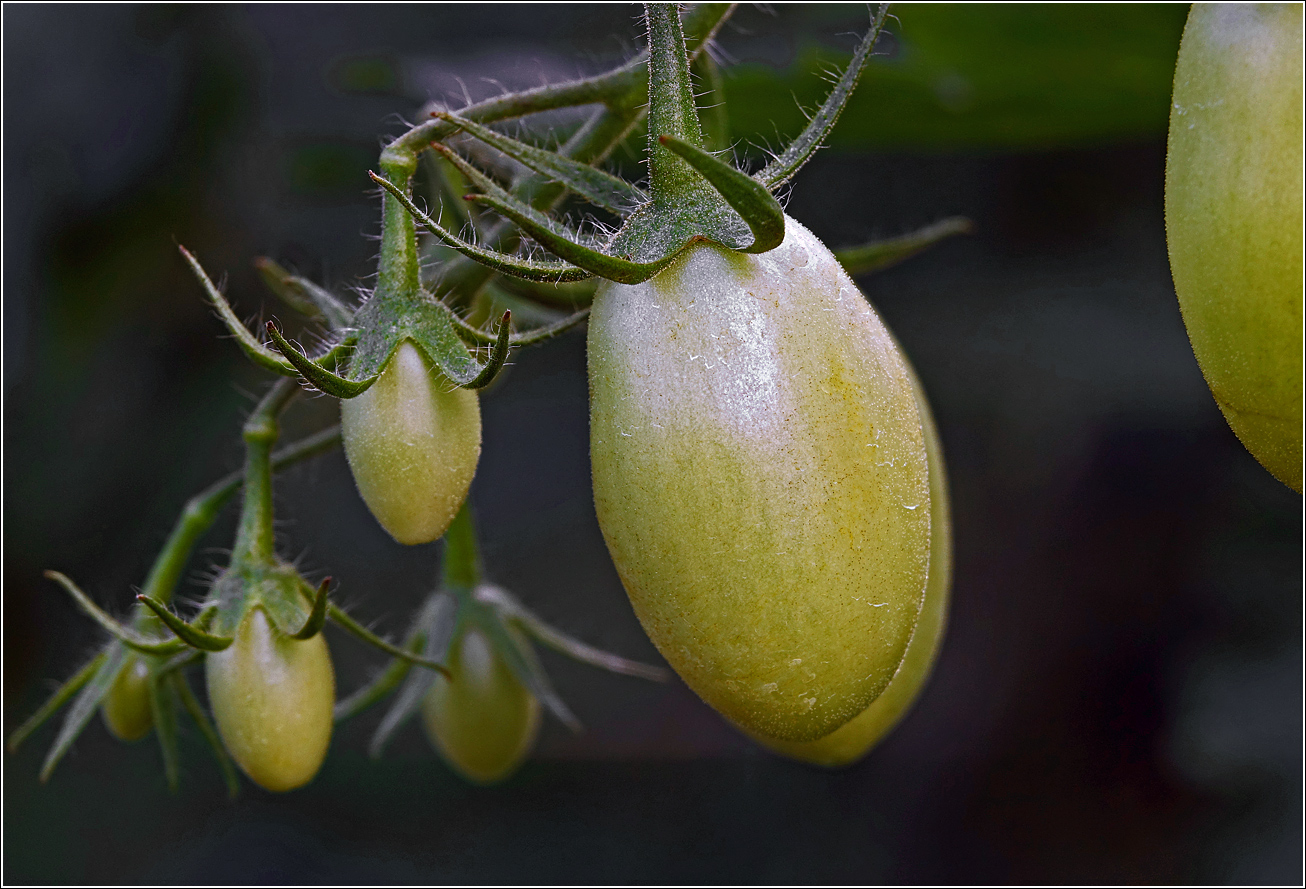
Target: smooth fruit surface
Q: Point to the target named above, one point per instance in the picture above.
(1233, 210)
(412, 440)
(855, 739)
(483, 721)
(761, 480)
(272, 698)
(126, 708)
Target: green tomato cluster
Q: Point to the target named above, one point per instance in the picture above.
(766, 472)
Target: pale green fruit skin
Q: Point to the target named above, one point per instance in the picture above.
(761, 480)
(412, 441)
(126, 708)
(1233, 212)
(851, 742)
(482, 721)
(272, 698)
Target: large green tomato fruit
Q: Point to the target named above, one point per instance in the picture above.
(126, 708)
(853, 740)
(483, 721)
(1233, 218)
(761, 480)
(272, 698)
(412, 440)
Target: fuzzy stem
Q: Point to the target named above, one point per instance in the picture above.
(593, 142)
(255, 537)
(461, 572)
(201, 511)
(398, 271)
(613, 89)
(672, 111)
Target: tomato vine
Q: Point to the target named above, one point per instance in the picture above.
(709, 239)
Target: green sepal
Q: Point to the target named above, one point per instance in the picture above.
(446, 187)
(126, 636)
(381, 686)
(594, 185)
(517, 614)
(277, 279)
(549, 331)
(613, 268)
(445, 349)
(436, 622)
(181, 660)
(62, 695)
(524, 664)
(875, 255)
(181, 686)
(257, 352)
(84, 706)
(316, 619)
(746, 196)
(303, 295)
(164, 709)
(493, 300)
(506, 263)
(788, 162)
(187, 633)
(550, 233)
(348, 624)
(317, 375)
(562, 296)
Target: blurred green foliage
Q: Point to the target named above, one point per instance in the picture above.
(966, 76)
(366, 75)
(329, 169)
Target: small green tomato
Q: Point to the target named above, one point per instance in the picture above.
(847, 744)
(483, 721)
(1233, 213)
(412, 440)
(126, 708)
(761, 480)
(272, 698)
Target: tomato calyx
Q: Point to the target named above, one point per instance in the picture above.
(693, 195)
(466, 604)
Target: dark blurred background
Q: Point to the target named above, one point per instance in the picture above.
(1119, 697)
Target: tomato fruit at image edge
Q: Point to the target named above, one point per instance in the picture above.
(483, 721)
(126, 708)
(1233, 212)
(272, 698)
(412, 441)
(851, 742)
(761, 480)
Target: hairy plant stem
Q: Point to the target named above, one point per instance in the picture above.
(201, 511)
(255, 536)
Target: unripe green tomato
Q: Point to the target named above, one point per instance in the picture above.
(483, 721)
(126, 708)
(272, 698)
(412, 440)
(1233, 218)
(761, 480)
(854, 740)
